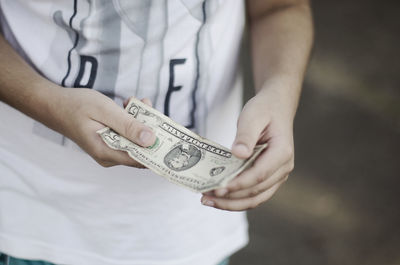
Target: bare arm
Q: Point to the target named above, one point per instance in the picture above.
(281, 38)
(21, 87)
(76, 113)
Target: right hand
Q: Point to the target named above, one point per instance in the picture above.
(78, 113)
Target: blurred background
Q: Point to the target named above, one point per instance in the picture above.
(341, 203)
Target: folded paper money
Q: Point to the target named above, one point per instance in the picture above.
(178, 154)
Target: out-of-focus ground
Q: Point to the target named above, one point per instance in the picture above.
(341, 205)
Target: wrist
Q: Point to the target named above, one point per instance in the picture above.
(44, 102)
(280, 96)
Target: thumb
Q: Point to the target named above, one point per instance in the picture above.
(249, 129)
(126, 125)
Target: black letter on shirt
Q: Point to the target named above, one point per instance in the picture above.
(171, 86)
(93, 71)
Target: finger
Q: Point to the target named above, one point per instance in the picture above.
(104, 155)
(209, 193)
(240, 204)
(265, 166)
(115, 157)
(147, 101)
(120, 161)
(280, 175)
(110, 114)
(250, 126)
(126, 101)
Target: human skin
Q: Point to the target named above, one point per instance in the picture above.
(281, 34)
(76, 113)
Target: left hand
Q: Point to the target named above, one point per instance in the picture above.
(264, 119)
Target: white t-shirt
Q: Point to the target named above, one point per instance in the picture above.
(56, 203)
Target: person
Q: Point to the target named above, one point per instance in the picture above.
(65, 69)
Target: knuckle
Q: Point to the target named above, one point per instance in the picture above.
(288, 151)
(228, 196)
(291, 166)
(262, 177)
(138, 165)
(221, 205)
(285, 178)
(104, 163)
(253, 204)
(259, 171)
(264, 174)
(131, 128)
(233, 186)
(254, 192)
(244, 137)
(99, 154)
(102, 103)
(239, 185)
(257, 202)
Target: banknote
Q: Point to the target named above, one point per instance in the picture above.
(178, 154)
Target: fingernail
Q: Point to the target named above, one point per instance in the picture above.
(209, 193)
(241, 148)
(208, 203)
(145, 137)
(221, 192)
